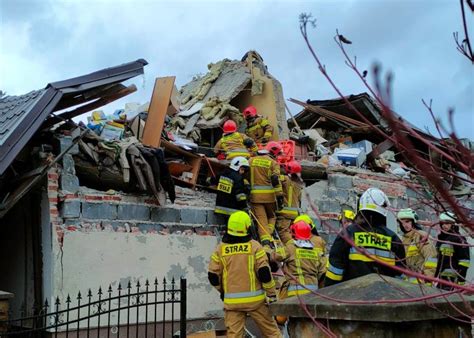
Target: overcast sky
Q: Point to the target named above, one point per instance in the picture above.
(45, 41)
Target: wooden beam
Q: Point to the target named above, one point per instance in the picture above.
(90, 106)
(88, 96)
(380, 149)
(160, 100)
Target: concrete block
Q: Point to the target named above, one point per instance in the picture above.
(340, 181)
(70, 209)
(99, 210)
(329, 206)
(168, 215)
(194, 216)
(151, 227)
(65, 142)
(340, 194)
(69, 165)
(215, 219)
(69, 182)
(133, 212)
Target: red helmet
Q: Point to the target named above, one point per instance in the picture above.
(274, 148)
(250, 111)
(230, 126)
(293, 167)
(301, 230)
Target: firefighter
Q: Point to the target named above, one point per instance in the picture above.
(453, 252)
(302, 265)
(292, 189)
(346, 217)
(371, 240)
(266, 193)
(239, 270)
(233, 143)
(318, 242)
(258, 127)
(232, 191)
(421, 255)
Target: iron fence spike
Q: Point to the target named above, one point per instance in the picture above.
(100, 291)
(119, 287)
(68, 299)
(110, 289)
(79, 296)
(147, 283)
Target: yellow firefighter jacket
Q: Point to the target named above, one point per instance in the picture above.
(263, 171)
(259, 128)
(237, 266)
(320, 247)
(232, 145)
(292, 190)
(421, 255)
(302, 262)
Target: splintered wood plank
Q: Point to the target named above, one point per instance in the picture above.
(160, 101)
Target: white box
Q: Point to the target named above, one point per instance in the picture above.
(354, 157)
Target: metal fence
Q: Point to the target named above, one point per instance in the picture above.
(146, 310)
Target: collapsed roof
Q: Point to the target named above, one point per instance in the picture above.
(21, 116)
(221, 94)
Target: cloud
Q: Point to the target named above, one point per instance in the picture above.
(46, 41)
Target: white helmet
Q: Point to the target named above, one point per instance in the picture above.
(447, 217)
(374, 199)
(238, 162)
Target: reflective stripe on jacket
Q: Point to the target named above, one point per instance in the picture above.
(453, 257)
(305, 264)
(237, 266)
(292, 190)
(262, 168)
(232, 145)
(421, 255)
(231, 194)
(374, 242)
(259, 129)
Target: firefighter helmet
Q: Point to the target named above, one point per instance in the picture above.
(305, 218)
(274, 148)
(238, 224)
(447, 217)
(229, 127)
(374, 199)
(301, 230)
(238, 162)
(249, 112)
(293, 167)
(407, 214)
(348, 214)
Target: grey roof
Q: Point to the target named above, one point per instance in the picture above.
(13, 110)
(22, 116)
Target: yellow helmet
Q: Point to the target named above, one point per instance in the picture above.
(238, 224)
(348, 214)
(305, 218)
